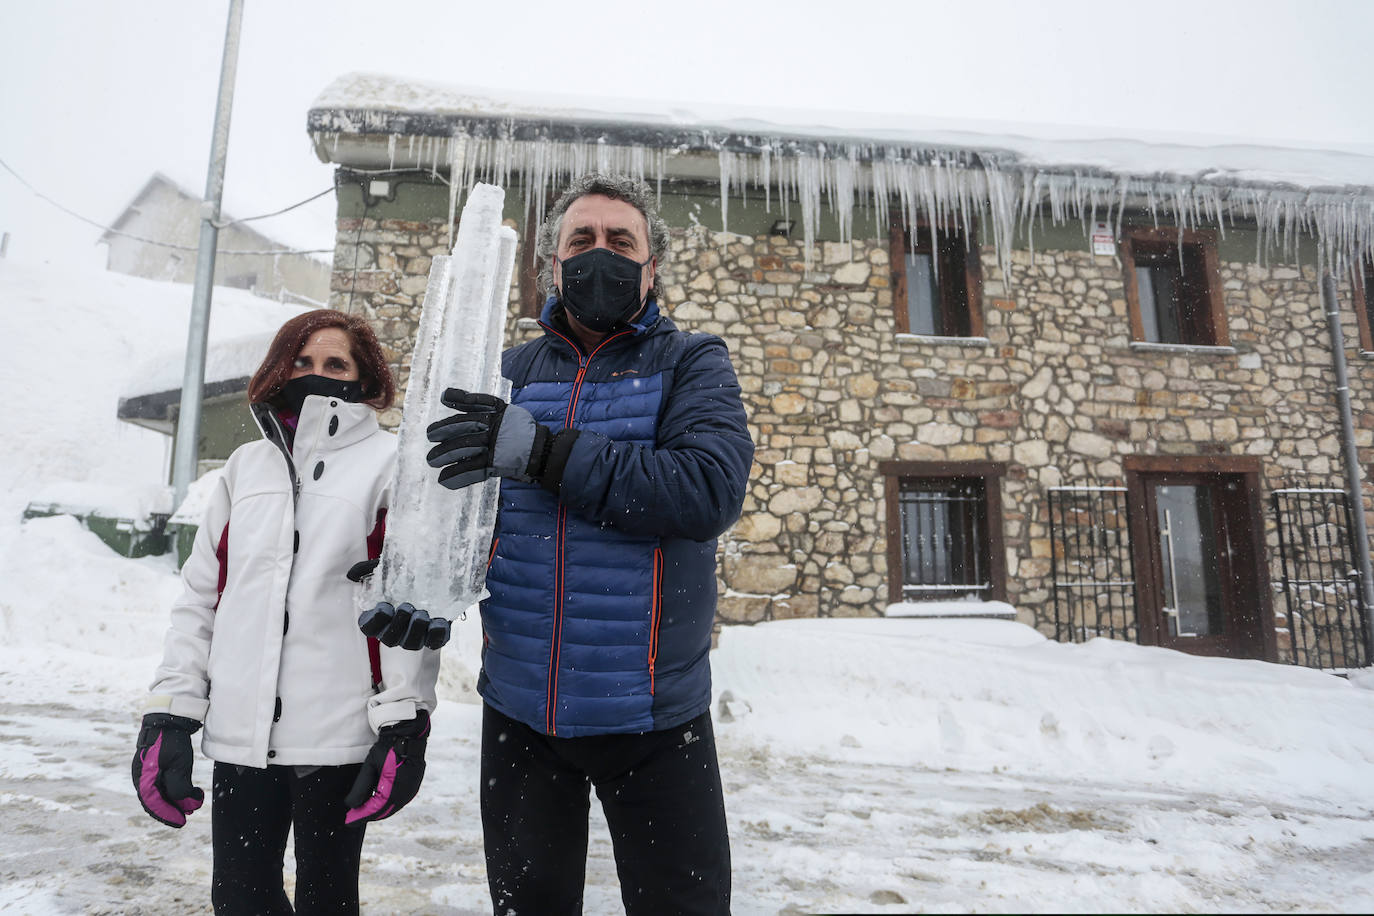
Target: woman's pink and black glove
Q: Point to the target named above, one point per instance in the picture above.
(162, 768)
(490, 438)
(392, 772)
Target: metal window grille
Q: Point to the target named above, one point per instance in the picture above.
(1321, 579)
(944, 539)
(1091, 564)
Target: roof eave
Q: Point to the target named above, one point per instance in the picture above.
(365, 139)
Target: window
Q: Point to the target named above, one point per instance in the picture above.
(526, 268)
(944, 531)
(1172, 287)
(531, 303)
(241, 281)
(936, 283)
(1364, 304)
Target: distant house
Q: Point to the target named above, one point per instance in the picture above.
(1092, 379)
(164, 211)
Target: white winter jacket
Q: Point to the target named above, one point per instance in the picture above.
(264, 645)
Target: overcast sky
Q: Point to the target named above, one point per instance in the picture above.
(95, 95)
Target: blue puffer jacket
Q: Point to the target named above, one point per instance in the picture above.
(603, 597)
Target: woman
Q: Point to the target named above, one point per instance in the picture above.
(312, 726)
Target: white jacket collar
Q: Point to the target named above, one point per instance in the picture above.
(324, 424)
(330, 423)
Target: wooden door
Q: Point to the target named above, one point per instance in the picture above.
(1200, 582)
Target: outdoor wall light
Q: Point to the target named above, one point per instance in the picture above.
(782, 227)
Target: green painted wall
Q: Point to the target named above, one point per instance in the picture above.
(418, 197)
(225, 424)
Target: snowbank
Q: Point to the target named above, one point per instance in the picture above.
(997, 696)
(74, 339)
(132, 501)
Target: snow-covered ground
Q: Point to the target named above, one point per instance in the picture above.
(870, 765)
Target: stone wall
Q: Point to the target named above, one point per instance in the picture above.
(1055, 391)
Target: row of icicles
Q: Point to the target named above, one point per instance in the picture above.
(927, 187)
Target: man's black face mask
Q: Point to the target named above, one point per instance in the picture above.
(601, 288)
(294, 392)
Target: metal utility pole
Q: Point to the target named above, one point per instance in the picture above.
(1353, 477)
(188, 419)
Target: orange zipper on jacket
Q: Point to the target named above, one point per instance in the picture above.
(655, 615)
(556, 645)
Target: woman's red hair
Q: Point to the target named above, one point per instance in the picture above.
(379, 389)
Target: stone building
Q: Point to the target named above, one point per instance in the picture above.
(978, 374)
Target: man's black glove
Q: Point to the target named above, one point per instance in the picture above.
(162, 768)
(488, 438)
(392, 772)
(406, 626)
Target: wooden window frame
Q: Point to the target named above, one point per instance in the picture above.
(900, 243)
(1362, 284)
(527, 269)
(991, 473)
(1214, 307)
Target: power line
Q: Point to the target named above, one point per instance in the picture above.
(161, 244)
(249, 219)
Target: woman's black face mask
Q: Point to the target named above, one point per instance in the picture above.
(294, 392)
(601, 288)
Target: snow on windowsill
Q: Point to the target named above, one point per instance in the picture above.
(960, 608)
(942, 339)
(1200, 349)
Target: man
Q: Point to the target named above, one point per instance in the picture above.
(625, 453)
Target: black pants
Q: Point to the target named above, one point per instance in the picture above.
(662, 798)
(252, 812)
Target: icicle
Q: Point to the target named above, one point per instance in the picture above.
(942, 189)
(456, 156)
(726, 160)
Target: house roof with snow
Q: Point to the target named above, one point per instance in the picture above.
(1003, 174)
(158, 181)
(152, 395)
(292, 234)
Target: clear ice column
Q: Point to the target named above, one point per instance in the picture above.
(438, 540)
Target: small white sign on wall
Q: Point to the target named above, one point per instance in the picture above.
(1104, 241)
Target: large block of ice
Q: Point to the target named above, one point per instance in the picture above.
(438, 540)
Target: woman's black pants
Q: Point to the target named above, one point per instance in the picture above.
(252, 812)
(660, 792)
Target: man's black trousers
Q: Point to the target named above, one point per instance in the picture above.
(252, 812)
(660, 792)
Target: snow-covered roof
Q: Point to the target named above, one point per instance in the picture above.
(1001, 175)
(304, 231)
(227, 359)
(378, 103)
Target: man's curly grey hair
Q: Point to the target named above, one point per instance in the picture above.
(617, 187)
